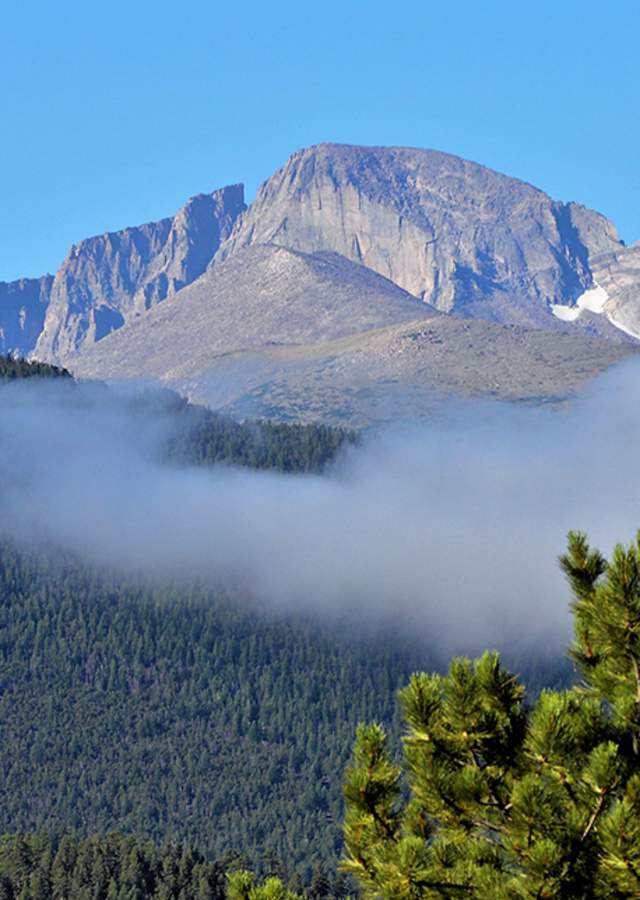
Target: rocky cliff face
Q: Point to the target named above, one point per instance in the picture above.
(461, 237)
(23, 306)
(107, 280)
(451, 233)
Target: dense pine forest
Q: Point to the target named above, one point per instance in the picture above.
(177, 715)
(171, 713)
(35, 867)
(12, 369)
(206, 438)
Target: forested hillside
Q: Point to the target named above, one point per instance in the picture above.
(177, 715)
(207, 438)
(12, 369)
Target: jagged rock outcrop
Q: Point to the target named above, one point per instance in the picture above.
(107, 280)
(462, 237)
(23, 306)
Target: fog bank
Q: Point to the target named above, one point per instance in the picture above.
(453, 525)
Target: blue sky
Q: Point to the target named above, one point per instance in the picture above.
(114, 113)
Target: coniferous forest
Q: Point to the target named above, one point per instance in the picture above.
(173, 713)
(172, 740)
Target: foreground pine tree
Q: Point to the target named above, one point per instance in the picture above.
(498, 800)
(243, 886)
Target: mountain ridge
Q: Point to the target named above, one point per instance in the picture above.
(23, 306)
(422, 231)
(265, 294)
(107, 279)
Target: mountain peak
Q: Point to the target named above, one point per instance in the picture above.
(452, 233)
(449, 231)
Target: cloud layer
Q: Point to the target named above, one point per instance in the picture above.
(451, 527)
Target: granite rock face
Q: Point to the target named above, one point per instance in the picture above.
(107, 280)
(455, 234)
(23, 306)
(341, 241)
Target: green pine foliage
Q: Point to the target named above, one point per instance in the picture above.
(505, 799)
(243, 886)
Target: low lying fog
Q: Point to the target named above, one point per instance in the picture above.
(453, 525)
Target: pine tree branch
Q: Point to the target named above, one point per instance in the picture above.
(490, 826)
(446, 886)
(594, 816)
(631, 868)
(496, 800)
(635, 738)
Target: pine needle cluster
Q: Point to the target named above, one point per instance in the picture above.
(497, 799)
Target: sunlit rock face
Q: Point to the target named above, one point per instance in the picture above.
(300, 264)
(276, 333)
(619, 275)
(107, 280)
(265, 295)
(459, 236)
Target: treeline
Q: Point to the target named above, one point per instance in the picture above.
(198, 436)
(211, 438)
(13, 368)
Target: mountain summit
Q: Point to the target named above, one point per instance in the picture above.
(308, 286)
(459, 236)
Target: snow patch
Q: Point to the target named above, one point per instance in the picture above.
(594, 300)
(625, 328)
(566, 313)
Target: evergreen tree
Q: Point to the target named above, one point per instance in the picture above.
(506, 800)
(242, 886)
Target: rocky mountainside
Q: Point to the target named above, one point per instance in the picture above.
(459, 236)
(272, 332)
(343, 244)
(262, 296)
(23, 306)
(402, 372)
(107, 280)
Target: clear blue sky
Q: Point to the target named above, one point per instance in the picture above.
(114, 113)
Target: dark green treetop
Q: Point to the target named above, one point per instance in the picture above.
(497, 799)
